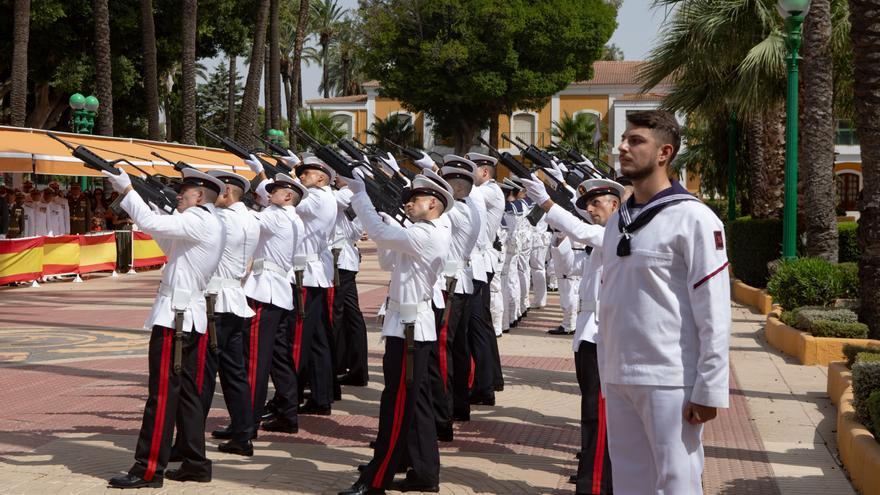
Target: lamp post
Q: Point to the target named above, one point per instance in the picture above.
(84, 112)
(794, 12)
(275, 136)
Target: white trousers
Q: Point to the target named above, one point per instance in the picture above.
(510, 291)
(569, 289)
(525, 279)
(496, 303)
(654, 451)
(537, 265)
(551, 274)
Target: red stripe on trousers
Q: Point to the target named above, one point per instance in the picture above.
(200, 373)
(252, 359)
(472, 373)
(396, 424)
(331, 295)
(162, 403)
(297, 334)
(599, 458)
(444, 330)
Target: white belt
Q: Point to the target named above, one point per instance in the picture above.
(262, 264)
(180, 298)
(452, 267)
(217, 283)
(408, 311)
(301, 260)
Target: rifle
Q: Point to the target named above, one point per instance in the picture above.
(150, 189)
(347, 146)
(578, 157)
(385, 195)
(278, 150)
(247, 199)
(245, 154)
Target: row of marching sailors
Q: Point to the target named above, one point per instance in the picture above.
(277, 322)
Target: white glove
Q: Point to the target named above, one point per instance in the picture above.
(356, 183)
(364, 170)
(390, 162)
(425, 161)
(119, 182)
(254, 164)
(554, 171)
(291, 160)
(386, 218)
(536, 190)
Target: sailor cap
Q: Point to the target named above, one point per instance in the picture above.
(232, 178)
(315, 163)
(591, 188)
(481, 159)
(456, 167)
(286, 181)
(193, 177)
(433, 185)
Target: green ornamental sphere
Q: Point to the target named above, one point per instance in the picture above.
(92, 104)
(77, 101)
(275, 133)
(793, 7)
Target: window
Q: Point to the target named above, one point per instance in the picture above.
(523, 127)
(846, 134)
(848, 190)
(346, 121)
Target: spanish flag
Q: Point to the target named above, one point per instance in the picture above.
(21, 260)
(97, 253)
(145, 251)
(60, 254)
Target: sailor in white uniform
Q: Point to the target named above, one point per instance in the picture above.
(193, 239)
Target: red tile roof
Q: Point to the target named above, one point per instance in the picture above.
(340, 99)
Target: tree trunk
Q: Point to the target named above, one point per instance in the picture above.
(285, 84)
(865, 34)
(188, 70)
(274, 65)
(247, 117)
(817, 134)
(325, 66)
(230, 98)
(20, 35)
(45, 102)
(103, 72)
(464, 138)
(151, 70)
(757, 191)
(169, 126)
(267, 102)
(771, 170)
(493, 130)
(296, 68)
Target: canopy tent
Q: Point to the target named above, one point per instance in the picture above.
(33, 151)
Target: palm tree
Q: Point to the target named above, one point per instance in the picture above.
(314, 122)
(103, 73)
(575, 132)
(274, 73)
(151, 69)
(21, 33)
(295, 93)
(326, 16)
(345, 72)
(817, 134)
(188, 69)
(231, 96)
(396, 129)
(865, 18)
(247, 117)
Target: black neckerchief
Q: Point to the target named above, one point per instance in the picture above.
(626, 225)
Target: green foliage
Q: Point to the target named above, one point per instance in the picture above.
(576, 132)
(314, 122)
(752, 243)
(790, 317)
(837, 329)
(805, 317)
(707, 154)
(463, 61)
(849, 280)
(865, 381)
(873, 405)
(847, 242)
(806, 282)
(851, 351)
(212, 100)
(396, 129)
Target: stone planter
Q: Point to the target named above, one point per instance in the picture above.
(859, 451)
(804, 347)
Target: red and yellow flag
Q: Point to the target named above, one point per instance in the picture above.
(60, 254)
(145, 251)
(97, 253)
(21, 260)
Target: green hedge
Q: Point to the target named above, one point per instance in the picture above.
(805, 317)
(849, 280)
(810, 282)
(866, 380)
(874, 412)
(853, 350)
(840, 330)
(847, 243)
(752, 243)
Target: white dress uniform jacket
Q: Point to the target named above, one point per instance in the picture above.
(318, 214)
(269, 280)
(346, 233)
(55, 224)
(65, 212)
(477, 202)
(665, 313)
(40, 219)
(193, 242)
(420, 252)
(494, 198)
(242, 235)
(466, 228)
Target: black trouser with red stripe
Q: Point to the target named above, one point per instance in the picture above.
(442, 368)
(350, 329)
(286, 398)
(313, 357)
(259, 347)
(172, 397)
(461, 354)
(482, 339)
(594, 466)
(406, 419)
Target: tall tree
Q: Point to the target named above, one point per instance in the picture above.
(267, 108)
(274, 73)
(247, 117)
(326, 16)
(21, 33)
(103, 67)
(817, 131)
(231, 96)
(151, 69)
(302, 23)
(482, 58)
(865, 33)
(188, 70)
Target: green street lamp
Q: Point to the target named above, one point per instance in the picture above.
(794, 12)
(84, 112)
(275, 136)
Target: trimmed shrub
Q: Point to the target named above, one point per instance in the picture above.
(866, 380)
(752, 243)
(847, 243)
(853, 350)
(805, 282)
(874, 413)
(837, 329)
(849, 280)
(805, 317)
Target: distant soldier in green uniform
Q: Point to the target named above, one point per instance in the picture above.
(80, 210)
(16, 217)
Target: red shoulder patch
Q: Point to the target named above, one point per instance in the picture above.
(719, 240)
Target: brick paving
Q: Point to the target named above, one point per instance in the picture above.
(72, 382)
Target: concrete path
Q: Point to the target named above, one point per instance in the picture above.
(73, 374)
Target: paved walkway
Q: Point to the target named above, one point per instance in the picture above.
(73, 374)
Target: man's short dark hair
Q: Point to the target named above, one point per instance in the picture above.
(663, 125)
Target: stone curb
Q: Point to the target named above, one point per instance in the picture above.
(859, 451)
(808, 350)
(758, 299)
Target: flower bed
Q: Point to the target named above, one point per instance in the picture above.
(859, 451)
(808, 350)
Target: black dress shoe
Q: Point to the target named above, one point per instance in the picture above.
(132, 481)
(372, 444)
(498, 388)
(182, 475)
(483, 401)
(577, 455)
(267, 416)
(558, 331)
(506, 330)
(410, 485)
(224, 433)
(237, 448)
(352, 381)
(361, 489)
(312, 408)
(445, 433)
(281, 425)
(573, 479)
